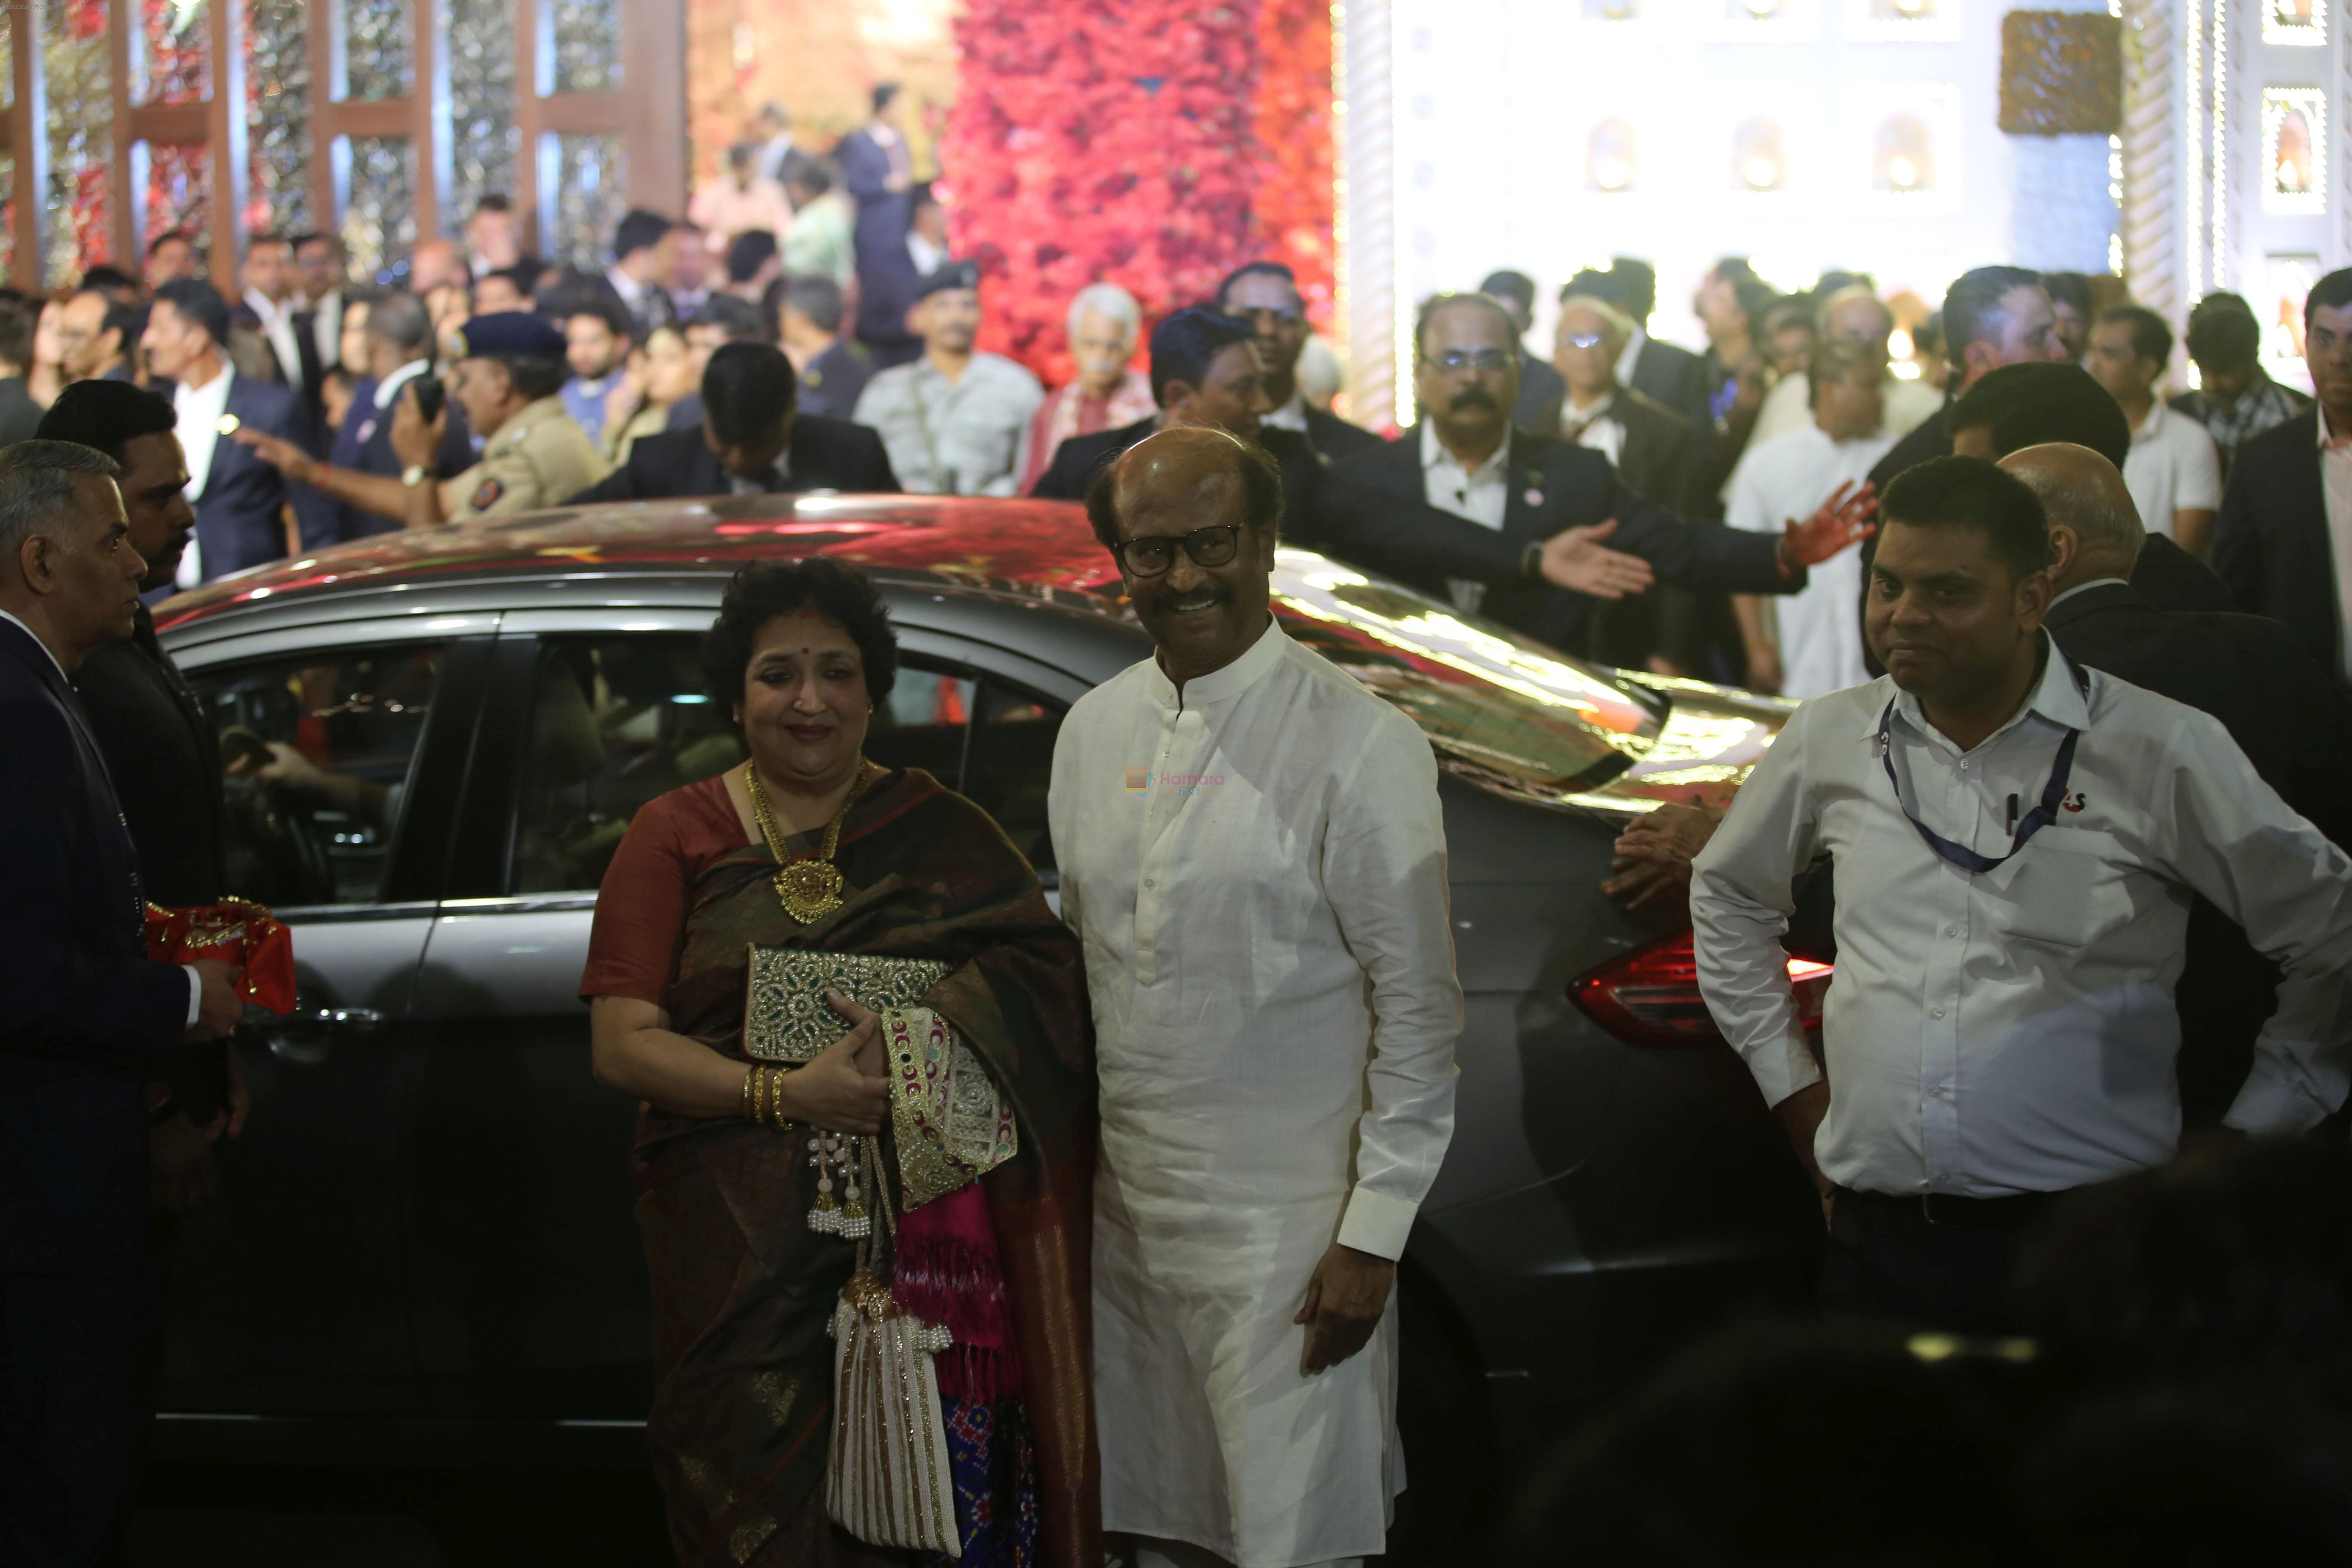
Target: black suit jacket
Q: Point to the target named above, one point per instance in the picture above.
(1374, 511)
(1333, 439)
(826, 455)
(1542, 389)
(2294, 725)
(163, 757)
(1675, 377)
(1077, 459)
(237, 516)
(20, 416)
(82, 1011)
(2270, 544)
(2171, 578)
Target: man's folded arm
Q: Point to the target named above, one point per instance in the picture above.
(1384, 869)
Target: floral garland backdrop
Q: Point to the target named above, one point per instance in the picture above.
(1155, 145)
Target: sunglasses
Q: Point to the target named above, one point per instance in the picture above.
(1154, 554)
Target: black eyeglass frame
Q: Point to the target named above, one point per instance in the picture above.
(1190, 543)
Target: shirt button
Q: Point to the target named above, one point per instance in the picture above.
(1150, 883)
(1937, 1014)
(1951, 930)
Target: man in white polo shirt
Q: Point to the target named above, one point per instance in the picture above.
(2174, 472)
(2016, 841)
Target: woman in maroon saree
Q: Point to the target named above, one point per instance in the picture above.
(743, 1288)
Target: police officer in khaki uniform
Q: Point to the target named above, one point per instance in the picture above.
(534, 454)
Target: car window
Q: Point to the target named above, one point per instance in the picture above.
(317, 752)
(1011, 763)
(617, 721)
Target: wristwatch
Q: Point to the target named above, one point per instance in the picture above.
(413, 476)
(1531, 559)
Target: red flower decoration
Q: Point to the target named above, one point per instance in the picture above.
(1155, 145)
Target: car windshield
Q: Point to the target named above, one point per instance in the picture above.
(1501, 708)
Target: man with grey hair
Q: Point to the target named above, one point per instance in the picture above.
(85, 1018)
(1108, 391)
(1857, 315)
(2248, 671)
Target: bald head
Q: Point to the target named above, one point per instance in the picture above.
(2085, 496)
(1186, 471)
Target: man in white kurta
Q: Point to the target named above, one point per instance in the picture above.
(1255, 861)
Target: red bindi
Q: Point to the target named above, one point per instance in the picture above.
(803, 653)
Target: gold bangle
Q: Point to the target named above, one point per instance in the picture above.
(775, 1096)
(750, 1103)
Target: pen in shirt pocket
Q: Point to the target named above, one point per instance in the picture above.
(2012, 813)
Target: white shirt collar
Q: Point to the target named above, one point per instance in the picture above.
(389, 387)
(1221, 685)
(263, 306)
(2148, 427)
(1433, 452)
(1630, 356)
(2325, 435)
(2056, 697)
(1292, 415)
(1572, 410)
(29, 632)
(631, 290)
(2086, 587)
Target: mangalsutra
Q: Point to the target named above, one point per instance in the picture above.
(811, 888)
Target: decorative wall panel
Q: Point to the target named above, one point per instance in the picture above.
(171, 55)
(376, 41)
(583, 48)
(277, 97)
(75, 61)
(377, 179)
(484, 144)
(583, 184)
(177, 192)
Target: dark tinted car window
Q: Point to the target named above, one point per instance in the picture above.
(317, 752)
(617, 721)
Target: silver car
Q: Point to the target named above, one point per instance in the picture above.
(425, 1251)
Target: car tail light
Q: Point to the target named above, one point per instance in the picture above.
(1650, 997)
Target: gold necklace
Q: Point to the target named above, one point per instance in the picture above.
(811, 890)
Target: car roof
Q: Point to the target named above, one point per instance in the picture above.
(1506, 711)
(1014, 543)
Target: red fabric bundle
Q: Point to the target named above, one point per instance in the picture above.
(236, 933)
(947, 1272)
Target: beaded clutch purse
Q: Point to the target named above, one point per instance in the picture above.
(785, 1018)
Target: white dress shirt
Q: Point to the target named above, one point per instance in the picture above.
(201, 411)
(327, 331)
(1815, 628)
(1291, 415)
(2172, 467)
(278, 326)
(1904, 406)
(1480, 495)
(2013, 1030)
(1255, 868)
(196, 986)
(1629, 356)
(1596, 426)
(2335, 485)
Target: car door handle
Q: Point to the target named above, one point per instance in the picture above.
(342, 1020)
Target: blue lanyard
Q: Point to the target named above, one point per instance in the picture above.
(2039, 817)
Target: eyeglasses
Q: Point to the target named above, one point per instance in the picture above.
(1584, 341)
(1485, 361)
(1154, 554)
(1282, 317)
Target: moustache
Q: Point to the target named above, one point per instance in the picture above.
(1200, 594)
(1475, 397)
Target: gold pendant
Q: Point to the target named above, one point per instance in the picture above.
(811, 890)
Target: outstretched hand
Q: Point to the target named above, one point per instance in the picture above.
(1575, 559)
(282, 454)
(1843, 520)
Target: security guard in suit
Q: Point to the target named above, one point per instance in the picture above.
(507, 382)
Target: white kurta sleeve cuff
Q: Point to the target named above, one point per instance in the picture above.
(1377, 1223)
(195, 996)
(2270, 1105)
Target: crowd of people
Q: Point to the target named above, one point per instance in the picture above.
(2064, 796)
